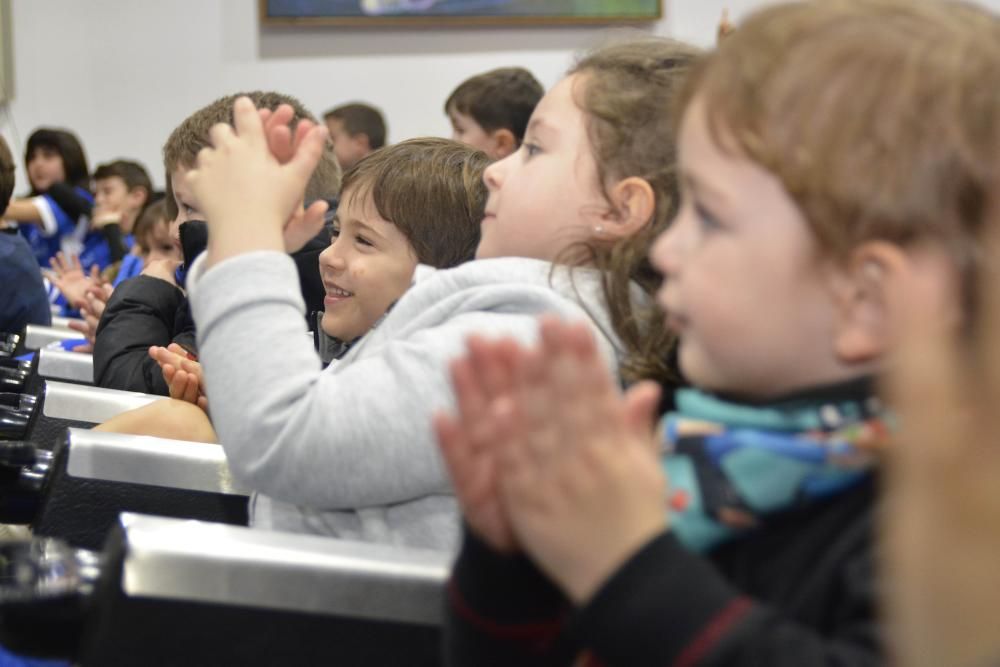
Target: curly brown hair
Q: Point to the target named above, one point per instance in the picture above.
(627, 93)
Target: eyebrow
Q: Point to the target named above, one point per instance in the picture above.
(362, 225)
(702, 188)
(539, 123)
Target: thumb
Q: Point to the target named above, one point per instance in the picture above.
(641, 403)
(314, 216)
(308, 153)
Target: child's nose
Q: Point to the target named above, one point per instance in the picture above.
(493, 176)
(331, 258)
(664, 253)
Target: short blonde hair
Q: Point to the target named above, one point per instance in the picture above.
(880, 117)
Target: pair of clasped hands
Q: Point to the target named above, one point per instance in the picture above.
(249, 184)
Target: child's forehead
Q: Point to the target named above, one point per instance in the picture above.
(46, 150)
(109, 181)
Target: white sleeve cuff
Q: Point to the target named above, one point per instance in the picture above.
(49, 225)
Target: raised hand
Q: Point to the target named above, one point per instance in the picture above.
(471, 441)
(246, 192)
(942, 510)
(300, 228)
(68, 276)
(580, 478)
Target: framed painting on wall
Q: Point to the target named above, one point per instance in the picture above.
(457, 12)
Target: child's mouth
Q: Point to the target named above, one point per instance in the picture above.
(335, 295)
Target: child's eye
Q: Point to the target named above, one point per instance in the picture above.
(363, 241)
(335, 231)
(531, 149)
(707, 220)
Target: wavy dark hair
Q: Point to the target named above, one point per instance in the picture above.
(627, 93)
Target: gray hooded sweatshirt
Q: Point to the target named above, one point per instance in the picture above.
(349, 451)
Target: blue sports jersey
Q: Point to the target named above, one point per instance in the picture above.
(60, 230)
(130, 268)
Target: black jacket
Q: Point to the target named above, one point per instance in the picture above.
(799, 591)
(145, 311)
(141, 312)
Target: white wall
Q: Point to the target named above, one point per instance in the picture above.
(123, 73)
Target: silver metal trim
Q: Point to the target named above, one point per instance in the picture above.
(59, 322)
(90, 404)
(215, 563)
(36, 336)
(137, 459)
(65, 365)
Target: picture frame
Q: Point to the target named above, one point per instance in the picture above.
(438, 13)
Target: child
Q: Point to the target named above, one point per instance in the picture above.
(122, 191)
(152, 244)
(349, 451)
(152, 308)
(55, 217)
(813, 195)
(417, 201)
(355, 130)
(490, 111)
(23, 299)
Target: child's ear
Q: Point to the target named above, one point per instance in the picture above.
(137, 196)
(364, 142)
(865, 292)
(633, 203)
(504, 143)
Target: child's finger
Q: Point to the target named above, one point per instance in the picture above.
(170, 376)
(468, 394)
(247, 121)
(642, 402)
(315, 215)
(282, 115)
(488, 367)
(177, 349)
(192, 390)
(301, 130)
(927, 369)
(308, 153)
(203, 402)
(219, 135)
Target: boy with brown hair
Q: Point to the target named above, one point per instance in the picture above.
(23, 299)
(356, 130)
(122, 191)
(152, 308)
(490, 111)
(418, 201)
(833, 155)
